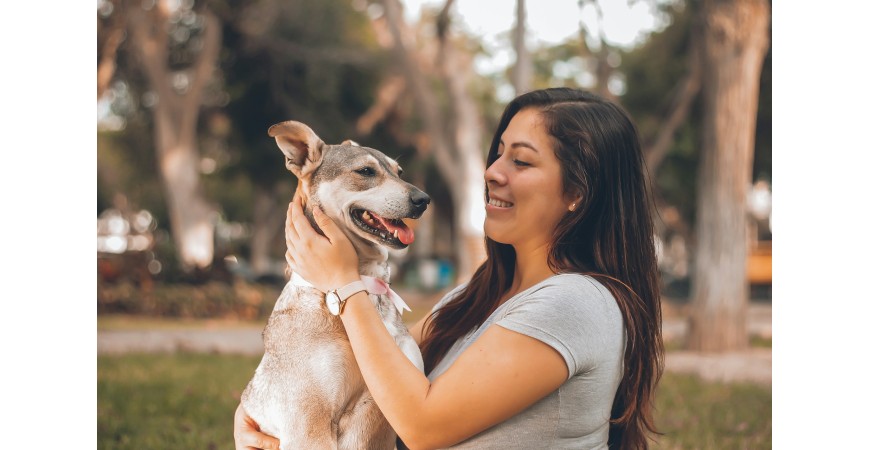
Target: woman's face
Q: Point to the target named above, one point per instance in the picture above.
(525, 199)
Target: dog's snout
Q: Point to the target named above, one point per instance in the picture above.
(419, 198)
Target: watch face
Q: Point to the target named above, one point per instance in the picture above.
(332, 302)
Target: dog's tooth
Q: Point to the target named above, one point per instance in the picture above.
(396, 234)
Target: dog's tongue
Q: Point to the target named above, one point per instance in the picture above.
(405, 234)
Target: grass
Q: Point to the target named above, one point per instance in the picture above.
(183, 401)
(694, 414)
(187, 401)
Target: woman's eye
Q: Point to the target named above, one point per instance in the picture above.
(366, 172)
(521, 163)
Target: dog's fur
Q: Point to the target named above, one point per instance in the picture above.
(308, 391)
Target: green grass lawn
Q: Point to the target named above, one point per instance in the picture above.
(186, 401)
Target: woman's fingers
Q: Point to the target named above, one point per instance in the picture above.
(330, 229)
(247, 435)
(290, 233)
(254, 440)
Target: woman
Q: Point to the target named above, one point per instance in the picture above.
(555, 342)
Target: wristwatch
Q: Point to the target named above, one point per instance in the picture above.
(336, 298)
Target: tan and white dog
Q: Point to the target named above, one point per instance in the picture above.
(308, 391)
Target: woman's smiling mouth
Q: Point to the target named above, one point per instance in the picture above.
(499, 203)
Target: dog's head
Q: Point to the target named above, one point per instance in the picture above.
(358, 187)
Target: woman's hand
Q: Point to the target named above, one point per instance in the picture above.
(328, 262)
(247, 433)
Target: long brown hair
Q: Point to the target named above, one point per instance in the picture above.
(608, 237)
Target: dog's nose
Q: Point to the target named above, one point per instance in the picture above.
(419, 198)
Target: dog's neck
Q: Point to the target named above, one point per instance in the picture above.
(375, 268)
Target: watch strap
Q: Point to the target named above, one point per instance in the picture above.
(349, 289)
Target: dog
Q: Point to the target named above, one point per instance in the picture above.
(308, 390)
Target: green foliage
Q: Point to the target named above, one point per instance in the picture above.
(213, 299)
(188, 401)
(126, 166)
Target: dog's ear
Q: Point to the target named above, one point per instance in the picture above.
(303, 149)
(350, 142)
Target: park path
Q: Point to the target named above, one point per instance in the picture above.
(752, 365)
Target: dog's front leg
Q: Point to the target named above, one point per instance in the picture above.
(364, 427)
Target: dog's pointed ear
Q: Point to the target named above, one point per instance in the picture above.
(301, 146)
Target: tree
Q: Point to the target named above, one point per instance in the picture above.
(735, 41)
(522, 72)
(278, 63)
(452, 131)
(178, 79)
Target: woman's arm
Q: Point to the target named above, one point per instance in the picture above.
(499, 375)
(416, 330)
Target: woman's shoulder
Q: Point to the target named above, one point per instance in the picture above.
(572, 285)
(573, 295)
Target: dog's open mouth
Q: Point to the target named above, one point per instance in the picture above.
(392, 232)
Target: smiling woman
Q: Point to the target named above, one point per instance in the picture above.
(571, 264)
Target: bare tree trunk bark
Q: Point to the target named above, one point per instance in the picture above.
(454, 135)
(175, 120)
(522, 74)
(468, 195)
(735, 43)
(268, 223)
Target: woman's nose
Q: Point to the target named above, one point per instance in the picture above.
(494, 173)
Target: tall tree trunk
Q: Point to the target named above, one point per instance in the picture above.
(734, 45)
(454, 134)
(268, 223)
(522, 73)
(175, 119)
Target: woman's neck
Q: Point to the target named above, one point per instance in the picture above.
(531, 268)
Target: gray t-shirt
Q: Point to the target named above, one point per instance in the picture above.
(579, 318)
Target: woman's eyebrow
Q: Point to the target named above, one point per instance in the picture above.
(521, 144)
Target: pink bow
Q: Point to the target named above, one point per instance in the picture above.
(380, 287)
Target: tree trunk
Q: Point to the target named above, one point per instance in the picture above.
(190, 216)
(522, 73)
(268, 223)
(175, 119)
(454, 134)
(734, 44)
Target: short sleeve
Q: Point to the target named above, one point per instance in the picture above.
(575, 315)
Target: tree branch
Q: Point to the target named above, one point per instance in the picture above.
(148, 31)
(203, 69)
(421, 91)
(108, 51)
(389, 93)
(686, 92)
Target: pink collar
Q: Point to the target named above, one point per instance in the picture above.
(374, 285)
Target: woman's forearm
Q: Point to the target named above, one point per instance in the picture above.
(397, 386)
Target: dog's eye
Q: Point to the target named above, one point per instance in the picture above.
(400, 172)
(366, 172)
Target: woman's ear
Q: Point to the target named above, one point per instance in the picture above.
(574, 200)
